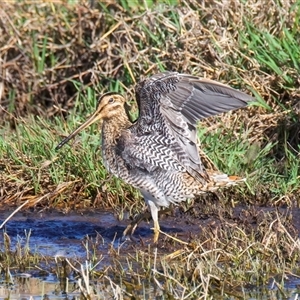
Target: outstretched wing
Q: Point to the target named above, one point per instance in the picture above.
(171, 104)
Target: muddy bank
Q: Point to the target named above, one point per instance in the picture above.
(54, 233)
(96, 237)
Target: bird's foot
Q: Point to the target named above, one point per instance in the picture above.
(128, 232)
(130, 229)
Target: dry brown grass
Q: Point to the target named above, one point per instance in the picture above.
(46, 46)
(94, 47)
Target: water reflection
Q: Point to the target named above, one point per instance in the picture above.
(49, 288)
(34, 288)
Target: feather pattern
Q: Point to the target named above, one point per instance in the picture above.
(171, 104)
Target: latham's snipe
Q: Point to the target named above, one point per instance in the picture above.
(158, 153)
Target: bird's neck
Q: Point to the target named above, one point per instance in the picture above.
(113, 127)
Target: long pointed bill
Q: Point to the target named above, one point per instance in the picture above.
(93, 118)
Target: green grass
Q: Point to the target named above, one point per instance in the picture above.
(234, 154)
(134, 5)
(30, 148)
(278, 55)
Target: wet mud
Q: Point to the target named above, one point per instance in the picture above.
(58, 234)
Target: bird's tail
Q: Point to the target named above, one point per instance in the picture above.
(221, 180)
(217, 179)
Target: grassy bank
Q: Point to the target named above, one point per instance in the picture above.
(53, 74)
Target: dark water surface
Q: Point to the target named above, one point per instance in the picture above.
(53, 234)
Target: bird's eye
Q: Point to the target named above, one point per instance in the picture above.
(111, 100)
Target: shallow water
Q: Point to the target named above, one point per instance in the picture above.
(50, 288)
(34, 288)
(56, 234)
(59, 235)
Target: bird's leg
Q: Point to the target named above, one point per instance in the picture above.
(144, 216)
(137, 220)
(154, 214)
(156, 231)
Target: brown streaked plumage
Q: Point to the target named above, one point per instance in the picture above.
(158, 153)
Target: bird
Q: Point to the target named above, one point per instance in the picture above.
(158, 153)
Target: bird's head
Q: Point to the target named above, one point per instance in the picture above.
(110, 105)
